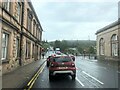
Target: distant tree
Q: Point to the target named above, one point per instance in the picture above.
(80, 45)
(92, 50)
(57, 44)
(80, 49)
(45, 45)
(63, 46)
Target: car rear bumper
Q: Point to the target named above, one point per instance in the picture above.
(63, 72)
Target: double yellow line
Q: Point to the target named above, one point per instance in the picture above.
(34, 78)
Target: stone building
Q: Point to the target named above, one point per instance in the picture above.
(20, 34)
(108, 42)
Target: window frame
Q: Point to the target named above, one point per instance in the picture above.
(17, 47)
(5, 46)
(28, 49)
(34, 24)
(29, 20)
(18, 17)
(102, 46)
(6, 5)
(114, 45)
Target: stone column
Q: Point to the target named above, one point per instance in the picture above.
(23, 50)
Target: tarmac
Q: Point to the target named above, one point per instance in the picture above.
(23, 74)
(19, 77)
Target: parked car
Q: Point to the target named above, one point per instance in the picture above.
(49, 58)
(61, 65)
(72, 56)
(50, 54)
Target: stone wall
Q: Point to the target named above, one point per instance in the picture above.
(106, 35)
(13, 28)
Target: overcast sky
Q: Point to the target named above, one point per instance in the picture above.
(74, 19)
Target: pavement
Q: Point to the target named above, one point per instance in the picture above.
(106, 62)
(19, 77)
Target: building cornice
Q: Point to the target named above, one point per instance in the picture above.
(30, 3)
(108, 27)
(10, 24)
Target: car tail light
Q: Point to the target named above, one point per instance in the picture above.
(52, 65)
(73, 65)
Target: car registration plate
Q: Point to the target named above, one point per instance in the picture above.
(63, 67)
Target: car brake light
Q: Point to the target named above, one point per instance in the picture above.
(73, 64)
(52, 64)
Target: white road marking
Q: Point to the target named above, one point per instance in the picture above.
(92, 77)
(80, 82)
(90, 81)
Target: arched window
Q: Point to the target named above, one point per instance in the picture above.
(102, 46)
(114, 45)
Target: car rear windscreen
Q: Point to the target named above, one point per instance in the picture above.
(62, 59)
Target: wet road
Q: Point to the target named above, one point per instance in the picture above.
(90, 74)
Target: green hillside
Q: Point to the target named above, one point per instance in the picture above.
(89, 46)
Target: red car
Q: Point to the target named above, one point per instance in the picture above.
(62, 65)
(48, 60)
(73, 57)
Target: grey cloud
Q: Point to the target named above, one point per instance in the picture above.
(76, 20)
(80, 12)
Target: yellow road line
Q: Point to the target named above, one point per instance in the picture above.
(34, 77)
(32, 81)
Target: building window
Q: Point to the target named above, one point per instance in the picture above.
(40, 35)
(18, 16)
(17, 47)
(27, 49)
(114, 45)
(33, 50)
(102, 46)
(29, 21)
(6, 5)
(4, 45)
(36, 30)
(34, 27)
